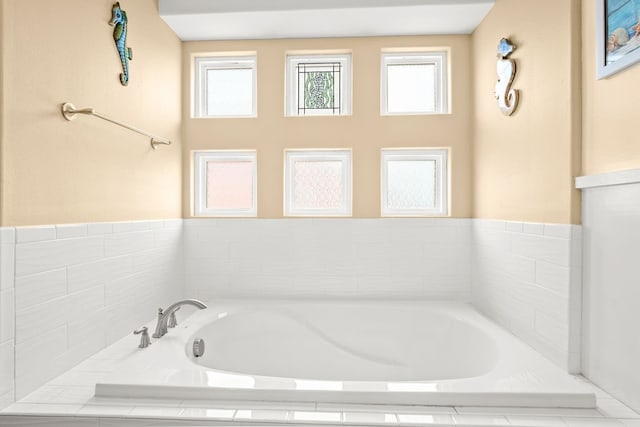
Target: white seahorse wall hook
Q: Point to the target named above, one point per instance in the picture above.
(506, 68)
(119, 22)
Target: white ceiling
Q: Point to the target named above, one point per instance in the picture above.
(268, 19)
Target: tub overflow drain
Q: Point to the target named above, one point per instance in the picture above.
(198, 347)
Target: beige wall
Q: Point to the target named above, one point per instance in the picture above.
(524, 164)
(366, 132)
(54, 171)
(518, 167)
(610, 107)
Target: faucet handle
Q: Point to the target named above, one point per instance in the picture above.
(141, 330)
(173, 322)
(145, 341)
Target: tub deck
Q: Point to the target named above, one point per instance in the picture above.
(520, 378)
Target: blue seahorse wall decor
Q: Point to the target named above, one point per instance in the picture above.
(119, 22)
(507, 96)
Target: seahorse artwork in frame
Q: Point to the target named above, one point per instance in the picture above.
(119, 22)
(507, 96)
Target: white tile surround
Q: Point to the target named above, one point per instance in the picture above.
(316, 258)
(527, 277)
(7, 316)
(611, 337)
(77, 288)
(68, 291)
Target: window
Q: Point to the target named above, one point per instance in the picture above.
(317, 183)
(414, 83)
(225, 183)
(318, 85)
(225, 87)
(414, 182)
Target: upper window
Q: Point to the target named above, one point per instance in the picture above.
(318, 85)
(225, 86)
(414, 182)
(225, 183)
(414, 83)
(317, 183)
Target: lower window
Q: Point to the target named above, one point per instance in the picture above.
(317, 183)
(225, 183)
(414, 182)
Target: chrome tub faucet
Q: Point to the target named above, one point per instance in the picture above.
(168, 315)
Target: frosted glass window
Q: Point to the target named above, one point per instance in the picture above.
(229, 184)
(411, 88)
(414, 182)
(411, 184)
(318, 84)
(225, 87)
(229, 92)
(225, 183)
(414, 83)
(318, 183)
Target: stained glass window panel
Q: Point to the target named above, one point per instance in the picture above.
(411, 88)
(319, 88)
(318, 84)
(229, 185)
(411, 184)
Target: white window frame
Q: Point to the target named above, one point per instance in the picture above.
(291, 83)
(206, 63)
(341, 155)
(440, 156)
(200, 160)
(438, 58)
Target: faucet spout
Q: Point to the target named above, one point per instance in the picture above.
(164, 315)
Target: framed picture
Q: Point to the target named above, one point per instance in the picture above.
(618, 35)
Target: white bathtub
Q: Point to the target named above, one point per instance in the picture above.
(417, 353)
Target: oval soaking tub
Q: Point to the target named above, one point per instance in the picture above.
(413, 353)
(341, 343)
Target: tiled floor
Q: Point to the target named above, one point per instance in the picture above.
(70, 398)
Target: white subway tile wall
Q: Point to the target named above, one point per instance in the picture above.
(526, 276)
(325, 258)
(7, 257)
(79, 288)
(74, 289)
(7, 316)
(611, 216)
